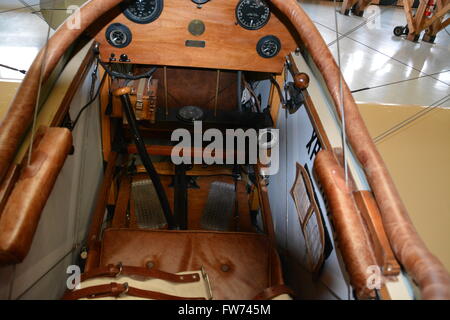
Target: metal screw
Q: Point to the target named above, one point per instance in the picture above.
(225, 268)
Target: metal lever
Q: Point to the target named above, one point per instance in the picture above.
(296, 92)
(123, 93)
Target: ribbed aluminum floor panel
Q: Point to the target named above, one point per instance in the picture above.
(149, 214)
(219, 207)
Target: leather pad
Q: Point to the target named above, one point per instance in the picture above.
(239, 265)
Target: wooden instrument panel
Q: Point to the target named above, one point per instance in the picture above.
(227, 45)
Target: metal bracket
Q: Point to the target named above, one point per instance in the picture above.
(208, 283)
(296, 97)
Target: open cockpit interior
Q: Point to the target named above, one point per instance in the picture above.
(200, 150)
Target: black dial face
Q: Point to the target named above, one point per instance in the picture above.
(143, 11)
(190, 113)
(252, 14)
(268, 47)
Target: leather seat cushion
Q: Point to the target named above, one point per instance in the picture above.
(239, 265)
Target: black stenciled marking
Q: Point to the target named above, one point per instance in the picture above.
(313, 146)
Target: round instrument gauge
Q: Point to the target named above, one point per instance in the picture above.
(252, 14)
(200, 2)
(190, 113)
(118, 35)
(268, 46)
(143, 11)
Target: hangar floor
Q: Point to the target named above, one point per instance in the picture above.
(391, 69)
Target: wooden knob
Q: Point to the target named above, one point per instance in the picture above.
(301, 81)
(121, 91)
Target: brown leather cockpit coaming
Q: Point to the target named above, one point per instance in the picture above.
(239, 265)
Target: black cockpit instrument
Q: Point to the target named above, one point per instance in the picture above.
(268, 46)
(252, 14)
(143, 11)
(118, 35)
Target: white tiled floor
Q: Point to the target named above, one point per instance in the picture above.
(22, 33)
(370, 54)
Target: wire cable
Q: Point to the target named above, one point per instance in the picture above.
(411, 119)
(36, 107)
(342, 36)
(120, 75)
(341, 95)
(341, 105)
(400, 81)
(11, 68)
(74, 123)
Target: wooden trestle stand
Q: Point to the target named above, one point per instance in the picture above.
(428, 17)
